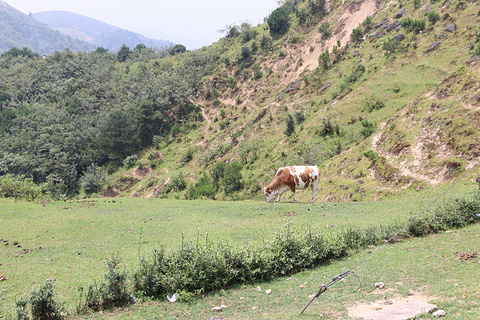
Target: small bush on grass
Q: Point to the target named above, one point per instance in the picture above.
(42, 303)
(110, 294)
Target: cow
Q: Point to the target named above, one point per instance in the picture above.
(293, 177)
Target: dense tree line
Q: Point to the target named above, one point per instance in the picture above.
(63, 113)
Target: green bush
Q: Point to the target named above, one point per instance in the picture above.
(290, 125)
(367, 128)
(433, 16)
(20, 187)
(176, 184)
(357, 35)
(130, 161)
(278, 20)
(42, 303)
(372, 103)
(203, 188)
(110, 294)
(93, 179)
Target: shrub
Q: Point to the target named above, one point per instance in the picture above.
(21, 187)
(372, 103)
(42, 303)
(203, 188)
(232, 178)
(357, 35)
(390, 46)
(278, 21)
(93, 179)
(433, 16)
(176, 184)
(328, 127)
(130, 161)
(367, 128)
(299, 116)
(195, 268)
(290, 125)
(325, 30)
(109, 294)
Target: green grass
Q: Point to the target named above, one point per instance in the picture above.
(70, 241)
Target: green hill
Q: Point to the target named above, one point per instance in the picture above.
(380, 116)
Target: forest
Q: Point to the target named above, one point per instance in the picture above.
(65, 116)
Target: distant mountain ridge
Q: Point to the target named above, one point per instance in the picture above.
(20, 30)
(95, 31)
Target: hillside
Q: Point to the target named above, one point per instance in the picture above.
(382, 95)
(20, 30)
(94, 31)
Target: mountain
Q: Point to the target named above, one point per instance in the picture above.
(383, 96)
(20, 30)
(94, 31)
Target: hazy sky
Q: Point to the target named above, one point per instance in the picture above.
(194, 23)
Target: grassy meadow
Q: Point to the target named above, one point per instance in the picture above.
(70, 241)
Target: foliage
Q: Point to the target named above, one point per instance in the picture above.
(372, 103)
(278, 20)
(390, 46)
(299, 116)
(325, 30)
(413, 25)
(324, 60)
(290, 125)
(202, 188)
(21, 187)
(357, 35)
(176, 184)
(93, 179)
(367, 128)
(232, 178)
(328, 127)
(130, 161)
(42, 303)
(112, 293)
(433, 16)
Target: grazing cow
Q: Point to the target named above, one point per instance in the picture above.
(294, 177)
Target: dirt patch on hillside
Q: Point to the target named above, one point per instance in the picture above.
(342, 27)
(394, 308)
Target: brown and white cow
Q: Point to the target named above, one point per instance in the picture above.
(294, 177)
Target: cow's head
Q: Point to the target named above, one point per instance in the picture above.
(269, 194)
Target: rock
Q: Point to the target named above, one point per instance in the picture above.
(379, 285)
(259, 288)
(473, 59)
(268, 291)
(439, 313)
(217, 318)
(2, 277)
(217, 309)
(393, 25)
(384, 20)
(254, 308)
(400, 13)
(355, 53)
(325, 86)
(427, 9)
(398, 28)
(441, 35)
(450, 28)
(399, 37)
(433, 46)
(302, 286)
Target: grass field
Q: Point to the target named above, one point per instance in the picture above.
(70, 242)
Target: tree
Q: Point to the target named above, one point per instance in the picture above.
(118, 135)
(278, 20)
(123, 53)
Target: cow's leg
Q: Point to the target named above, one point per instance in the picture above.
(280, 194)
(293, 192)
(314, 192)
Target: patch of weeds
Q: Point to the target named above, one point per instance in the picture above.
(42, 303)
(372, 103)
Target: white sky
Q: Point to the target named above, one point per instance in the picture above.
(193, 23)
